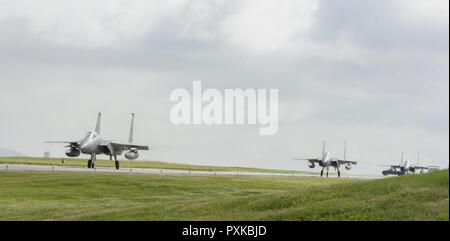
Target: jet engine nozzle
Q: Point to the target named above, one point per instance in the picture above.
(73, 152)
(131, 154)
(348, 167)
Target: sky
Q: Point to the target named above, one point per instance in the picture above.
(374, 73)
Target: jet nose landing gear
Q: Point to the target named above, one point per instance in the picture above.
(90, 164)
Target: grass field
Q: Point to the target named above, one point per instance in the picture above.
(81, 196)
(137, 164)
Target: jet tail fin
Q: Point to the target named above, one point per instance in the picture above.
(130, 138)
(345, 150)
(99, 120)
(323, 147)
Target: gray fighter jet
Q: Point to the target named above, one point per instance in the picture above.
(92, 144)
(327, 161)
(405, 167)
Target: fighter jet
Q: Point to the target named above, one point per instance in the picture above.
(327, 161)
(92, 144)
(405, 167)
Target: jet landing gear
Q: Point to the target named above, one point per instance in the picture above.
(321, 172)
(338, 172)
(116, 162)
(91, 162)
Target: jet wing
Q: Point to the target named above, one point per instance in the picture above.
(394, 166)
(305, 159)
(70, 143)
(346, 162)
(419, 167)
(120, 146)
(138, 147)
(63, 142)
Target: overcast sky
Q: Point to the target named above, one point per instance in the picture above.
(375, 73)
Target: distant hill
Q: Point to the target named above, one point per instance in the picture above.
(6, 152)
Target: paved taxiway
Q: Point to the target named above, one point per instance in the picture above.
(48, 168)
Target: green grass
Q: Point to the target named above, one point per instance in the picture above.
(136, 164)
(87, 196)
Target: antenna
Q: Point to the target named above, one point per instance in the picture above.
(418, 158)
(402, 159)
(130, 138)
(97, 126)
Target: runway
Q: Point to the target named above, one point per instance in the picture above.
(152, 171)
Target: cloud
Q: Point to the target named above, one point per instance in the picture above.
(394, 26)
(267, 26)
(94, 24)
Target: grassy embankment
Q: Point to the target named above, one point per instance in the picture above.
(88, 196)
